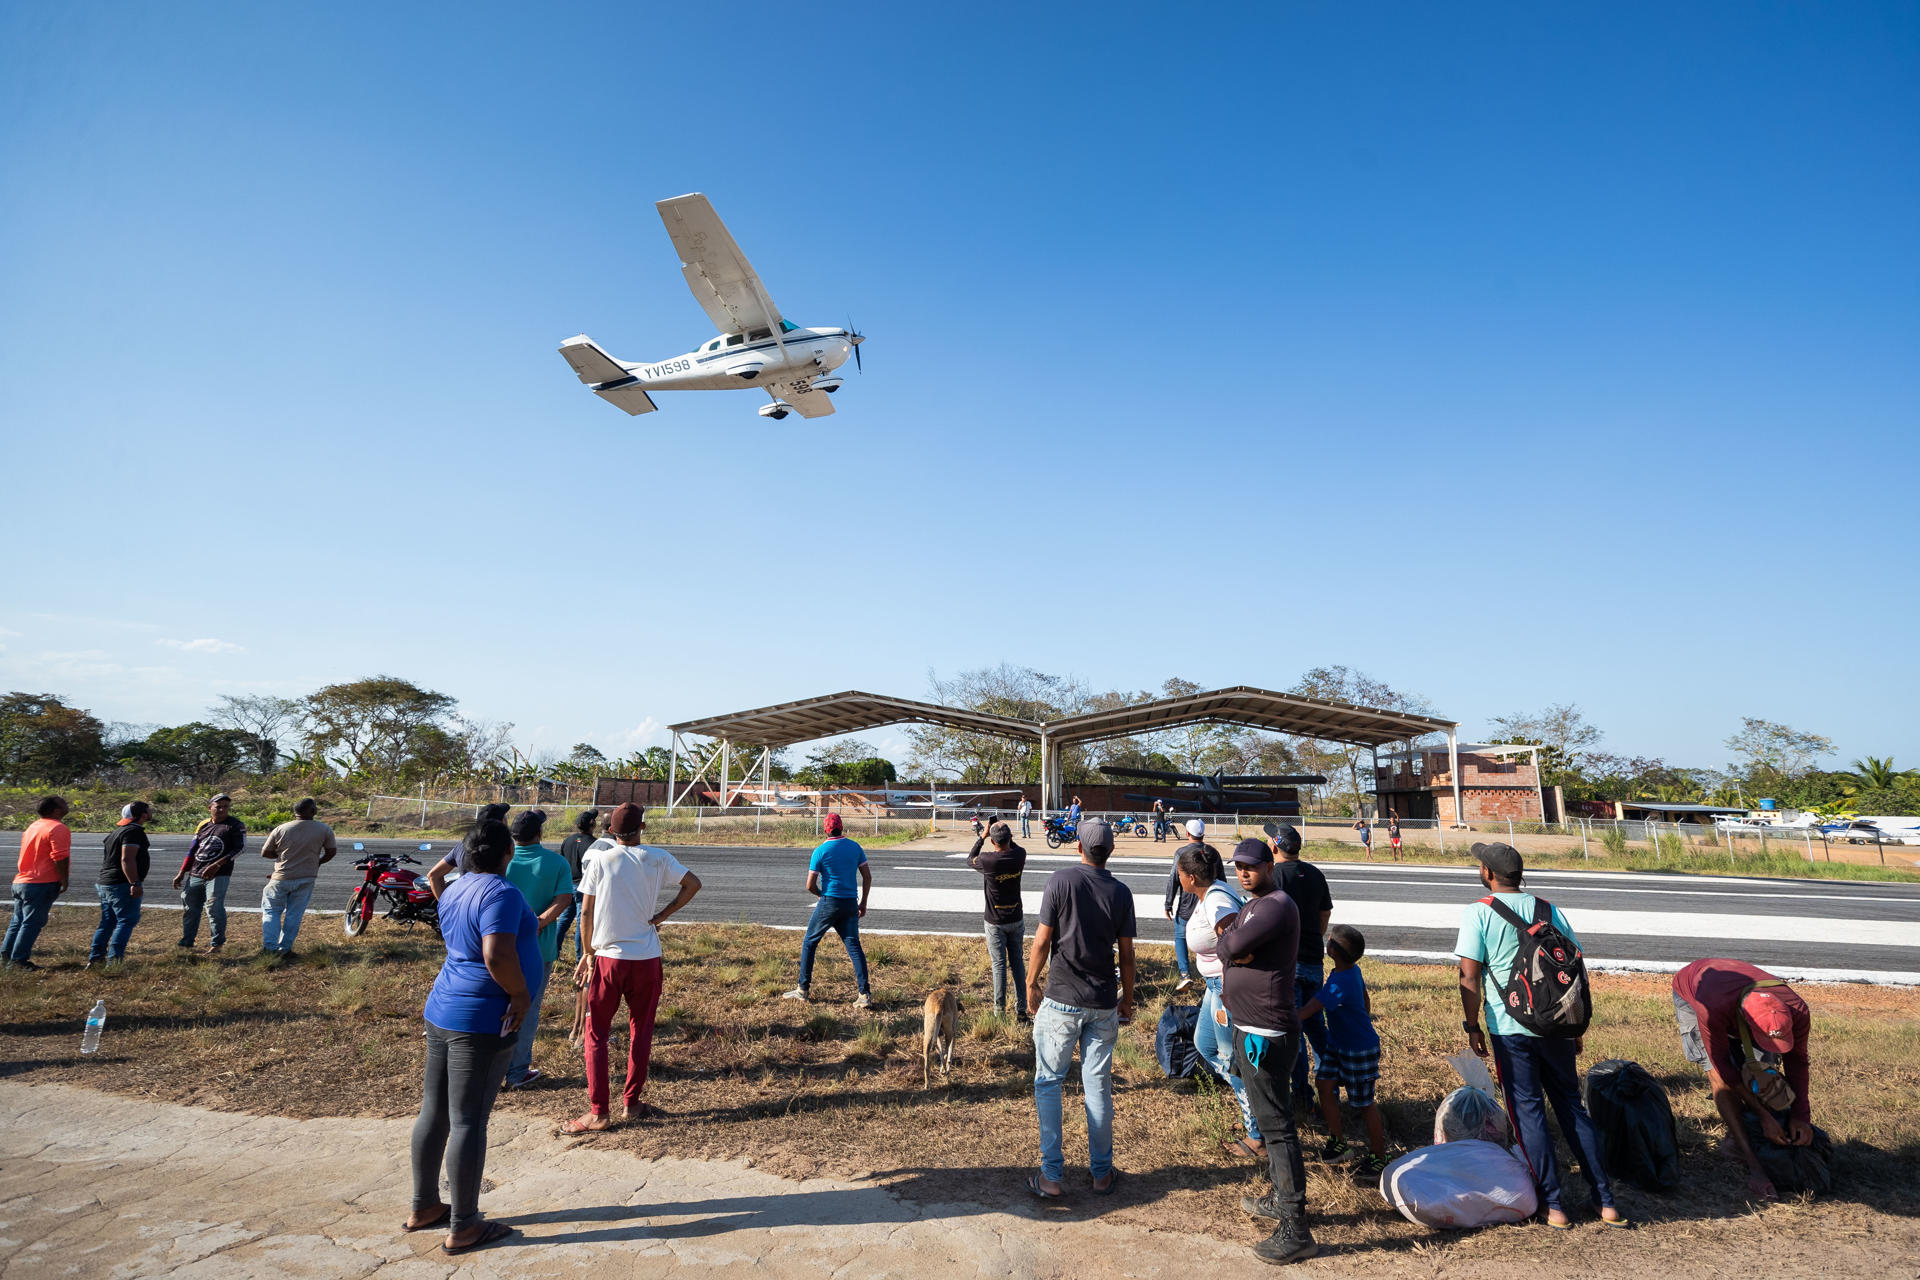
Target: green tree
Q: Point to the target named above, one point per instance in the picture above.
(191, 753)
(267, 719)
(1876, 774)
(1768, 748)
(1560, 731)
(43, 739)
(379, 725)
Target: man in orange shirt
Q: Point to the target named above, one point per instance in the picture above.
(44, 847)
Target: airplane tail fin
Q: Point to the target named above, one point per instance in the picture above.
(607, 376)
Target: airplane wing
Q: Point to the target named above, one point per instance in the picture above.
(1159, 774)
(799, 393)
(722, 280)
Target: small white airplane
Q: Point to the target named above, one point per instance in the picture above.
(934, 799)
(757, 346)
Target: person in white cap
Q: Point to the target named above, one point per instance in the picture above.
(1180, 903)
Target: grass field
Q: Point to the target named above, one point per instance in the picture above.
(827, 1089)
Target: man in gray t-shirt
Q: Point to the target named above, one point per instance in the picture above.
(1086, 921)
(299, 849)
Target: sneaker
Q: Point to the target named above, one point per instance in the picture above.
(1264, 1207)
(1369, 1167)
(1335, 1150)
(863, 1001)
(532, 1077)
(1291, 1243)
(1183, 984)
(28, 965)
(798, 993)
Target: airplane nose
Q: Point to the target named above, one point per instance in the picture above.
(856, 338)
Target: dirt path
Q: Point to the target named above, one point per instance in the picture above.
(92, 1184)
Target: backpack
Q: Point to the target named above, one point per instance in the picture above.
(1173, 1042)
(1792, 1169)
(1761, 1072)
(1637, 1137)
(1546, 992)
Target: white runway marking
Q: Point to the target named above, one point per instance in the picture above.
(1446, 916)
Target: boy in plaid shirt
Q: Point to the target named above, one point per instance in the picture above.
(1353, 1051)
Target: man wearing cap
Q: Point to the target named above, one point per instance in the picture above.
(299, 849)
(1086, 921)
(1000, 863)
(1534, 1069)
(831, 876)
(620, 918)
(1713, 1001)
(1262, 946)
(1307, 886)
(1179, 903)
(207, 870)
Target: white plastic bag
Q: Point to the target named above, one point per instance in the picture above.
(1470, 1114)
(1472, 1070)
(1460, 1185)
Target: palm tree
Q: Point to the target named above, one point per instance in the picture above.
(1875, 774)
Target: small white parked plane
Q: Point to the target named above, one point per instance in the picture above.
(757, 347)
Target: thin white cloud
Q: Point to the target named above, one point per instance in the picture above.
(120, 624)
(207, 645)
(648, 733)
(6, 634)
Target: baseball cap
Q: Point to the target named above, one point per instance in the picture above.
(1096, 835)
(626, 819)
(1252, 853)
(1000, 833)
(831, 824)
(1769, 1019)
(222, 796)
(1287, 839)
(1196, 828)
(1500, 858)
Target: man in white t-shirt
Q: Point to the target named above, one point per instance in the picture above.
(620, 883)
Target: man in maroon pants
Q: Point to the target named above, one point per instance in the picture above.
(620, 885)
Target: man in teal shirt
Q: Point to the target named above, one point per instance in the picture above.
(542, 877)
(1533, 1069)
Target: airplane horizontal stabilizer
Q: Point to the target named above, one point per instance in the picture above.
(591, 362)
(628, 395)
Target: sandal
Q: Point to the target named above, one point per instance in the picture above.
(645, 1111)
(1240, 1146)
(439, 1220)
(1113, 1181)
(494, 1234)
(1033, 1185)
(578, 1126)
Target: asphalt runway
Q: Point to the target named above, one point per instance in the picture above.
(1840, 930)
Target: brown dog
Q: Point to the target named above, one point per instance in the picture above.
(937, 1034)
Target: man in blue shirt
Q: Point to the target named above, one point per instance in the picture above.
(1533, 1068)
(544, 880)
(838, 874)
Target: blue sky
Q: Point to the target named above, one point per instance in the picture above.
(1515, 356)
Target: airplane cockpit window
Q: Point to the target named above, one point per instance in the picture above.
(735, 340)
(714, 345)
(788, 326)
(759, 334)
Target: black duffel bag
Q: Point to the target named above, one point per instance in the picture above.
(1638, 1140)
(1173, 1042)
(1792, 1169)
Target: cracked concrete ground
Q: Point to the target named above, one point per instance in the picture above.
(93, 1184)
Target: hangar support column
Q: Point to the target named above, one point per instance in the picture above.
(1046, 773)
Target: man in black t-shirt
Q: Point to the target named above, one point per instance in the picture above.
(573, 848)
(121, 884)
(1261, 948)
(1086, 919)
(1303, 882)
(1000, 862)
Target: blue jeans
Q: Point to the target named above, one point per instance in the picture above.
(1306, 985)
(1181, 960)
(32, 903)
(521, 1060)
(211, 894)
(842, 915)
(1006, 946)
(1534, 1071)
(283, 905)
(570, 919)
(1214, 1043)
(1026, 828)
(1057, 1028)
(119, 912)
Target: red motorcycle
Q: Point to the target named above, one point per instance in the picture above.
(409, 898)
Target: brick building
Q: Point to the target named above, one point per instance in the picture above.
(1497, 784)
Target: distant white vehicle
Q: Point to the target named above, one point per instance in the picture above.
(1768, 820)
(1870, 831)
(757, 346)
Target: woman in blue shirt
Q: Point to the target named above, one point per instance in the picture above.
(477, 1003)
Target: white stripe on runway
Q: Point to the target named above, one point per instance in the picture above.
(1446, 916)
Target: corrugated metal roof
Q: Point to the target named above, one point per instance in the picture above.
(1663, 807)
(852, 711)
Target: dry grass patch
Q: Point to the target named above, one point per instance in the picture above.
(825, 1088)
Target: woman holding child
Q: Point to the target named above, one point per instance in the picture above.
(1204, 876)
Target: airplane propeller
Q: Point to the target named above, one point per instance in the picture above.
(856, 339)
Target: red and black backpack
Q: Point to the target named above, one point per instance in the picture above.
(1546, 991)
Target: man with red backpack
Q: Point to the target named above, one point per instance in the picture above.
(1519, 956)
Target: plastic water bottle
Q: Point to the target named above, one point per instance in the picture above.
(96, 1023)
